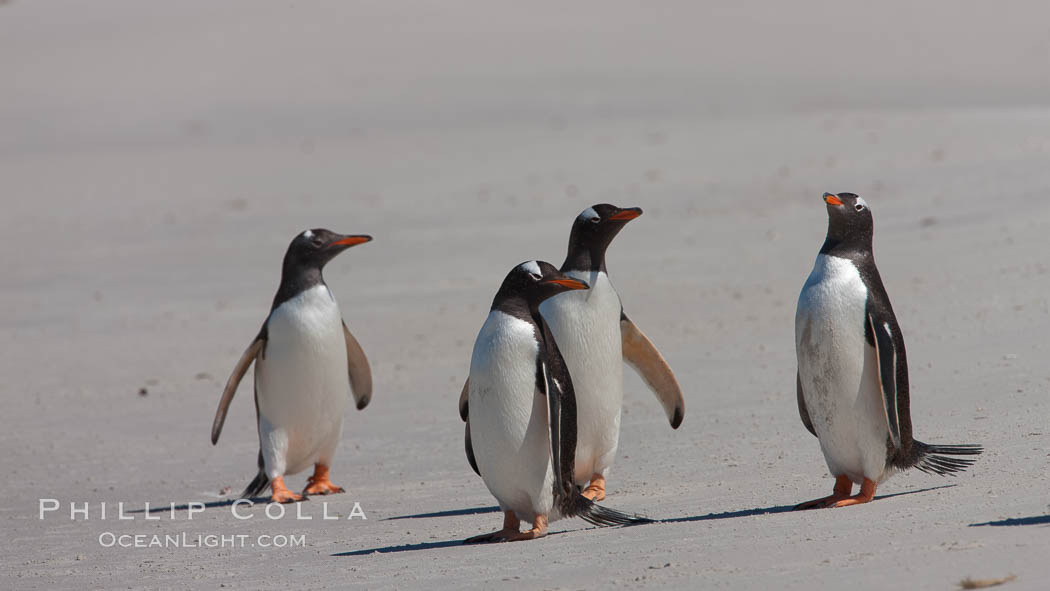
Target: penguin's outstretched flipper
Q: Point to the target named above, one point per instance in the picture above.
(253, 351)
(640, 353)
(360, 372)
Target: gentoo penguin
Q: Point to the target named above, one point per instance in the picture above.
(596, 337)
(852, 380)
(523, 410)
(306, 360)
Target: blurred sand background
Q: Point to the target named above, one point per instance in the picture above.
(156, 158)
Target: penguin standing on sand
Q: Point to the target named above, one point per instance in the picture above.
(596, 337)
(306, 360)
(523, 411)
(852, 381)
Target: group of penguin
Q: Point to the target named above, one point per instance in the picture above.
(543, 398)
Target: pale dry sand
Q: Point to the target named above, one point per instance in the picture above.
(155, 161)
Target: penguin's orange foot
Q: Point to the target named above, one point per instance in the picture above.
(286, 496)
(539, 529)
(595, 491)
(510, 532)
(866, 494)
(510, 529)
(843, 487)
(322, 488)
(319, 484)
(854, 500)
(281, 494)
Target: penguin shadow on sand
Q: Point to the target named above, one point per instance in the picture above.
(209, 505)
(456, 542)
(782, 508)
(435, 545)
(1013, 521)
(450, 513)
(707, 517)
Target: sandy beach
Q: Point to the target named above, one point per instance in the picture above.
(156, 160)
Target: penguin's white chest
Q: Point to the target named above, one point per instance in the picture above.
(586, 326)
(508, 417)
(838, 370)
(302, 379)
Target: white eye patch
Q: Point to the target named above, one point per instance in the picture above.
(531, 267)
(308, 234)
(862, 202)
(588, 214)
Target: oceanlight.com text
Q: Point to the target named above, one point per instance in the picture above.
(184, 540)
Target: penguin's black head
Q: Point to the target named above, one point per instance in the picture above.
(850, 224)
(314, 248)
(534, 281)
(306, 256)
(593, 231)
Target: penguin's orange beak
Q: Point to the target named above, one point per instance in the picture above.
(832, 199)
(626, 214)
(352, 241)
(569, 283)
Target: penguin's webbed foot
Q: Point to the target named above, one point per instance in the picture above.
(286, 497)
(319, 484)
(281, 494)
(510, 532)
(866, 494)
(322, 488)
(595, 491)
(843, 487)
(537, 531)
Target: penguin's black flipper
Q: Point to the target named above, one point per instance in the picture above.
(561, 409)
(250, 354)
(470, 449)
(553, 376)
(464, 396)
(802, 410)
(887, 357)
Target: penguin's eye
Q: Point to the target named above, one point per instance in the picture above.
(535, 277)
(317, 243)
(595, 220)
(858, 207)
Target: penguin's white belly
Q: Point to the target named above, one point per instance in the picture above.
(302, 382)
(586, 326)
(508, 417)
(839, 372)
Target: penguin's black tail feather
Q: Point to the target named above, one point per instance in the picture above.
(255, 487)
(933, 459)
(577, 505)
